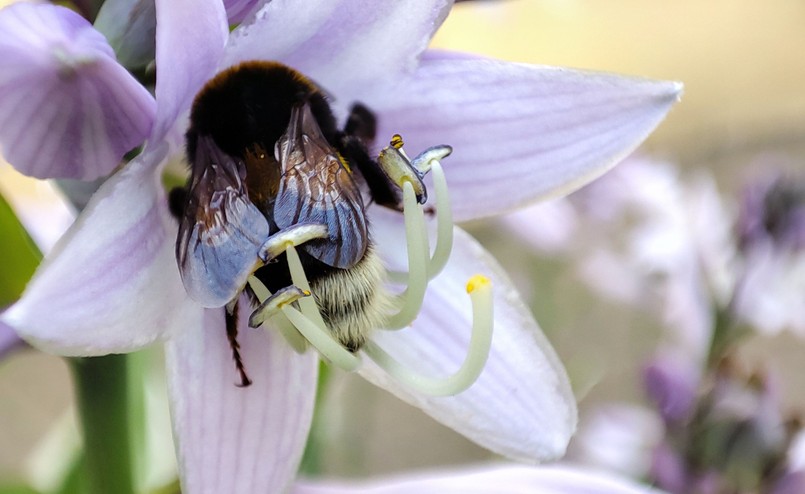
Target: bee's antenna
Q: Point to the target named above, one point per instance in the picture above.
(231, 317)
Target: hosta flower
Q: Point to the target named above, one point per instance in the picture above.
(519, 133)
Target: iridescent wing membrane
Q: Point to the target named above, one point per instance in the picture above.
(220, 231)
(317, 188)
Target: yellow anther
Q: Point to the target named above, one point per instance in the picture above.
(396, 141)
(477, 281)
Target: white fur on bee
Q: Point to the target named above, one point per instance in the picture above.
(354, 301)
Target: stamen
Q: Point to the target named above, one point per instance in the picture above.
(479, 289)
(310, 323)
(322, 341)
(426, 158)
(291, 334)
(416, 236)
(299, 278)
(296, 326)
(444, 222)
(273, 304)
(398, 168)
(294, 235)
(444, 228)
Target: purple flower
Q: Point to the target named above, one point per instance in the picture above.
(519, 132)
(61, 83)
(672, 384)
(619, 438)
(771, 231)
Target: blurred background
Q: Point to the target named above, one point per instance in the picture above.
(743, 108)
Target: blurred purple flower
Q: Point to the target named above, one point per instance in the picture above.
(771, 234)
(668, 470)
(790, 483)
(619, 438)
(112, 282)
(675, 249)
(672, 384)
(773, 210)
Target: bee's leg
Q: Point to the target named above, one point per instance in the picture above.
(231, 318)
(177, 199)
(383, 190)
(274, 304)
(358, 135)
(293, 235)
(361, 123)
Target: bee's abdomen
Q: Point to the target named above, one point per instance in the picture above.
(353, 301)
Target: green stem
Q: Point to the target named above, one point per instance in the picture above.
(313, 459)
(102, 393)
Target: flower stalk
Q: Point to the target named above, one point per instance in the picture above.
(102, 390)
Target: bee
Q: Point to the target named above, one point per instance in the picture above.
(265, 155)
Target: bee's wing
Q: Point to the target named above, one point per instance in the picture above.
(317, 187)
(220, 231)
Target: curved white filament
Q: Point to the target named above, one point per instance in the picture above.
(310, 323)
(417, 239)
(322, 341)
(291, 334)
(306, 324)
(444, 228)
(480, 291)
(444, 222)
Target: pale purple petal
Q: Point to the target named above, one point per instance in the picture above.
(522, 405)
(67, 108)
(519, 132)
(233, 439)
(343, 44)
(111, 284)
(237, 10)
(9, 341)
(498, 480)
(190, 41)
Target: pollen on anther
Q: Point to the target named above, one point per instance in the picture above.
(476, 282)
(396, 141)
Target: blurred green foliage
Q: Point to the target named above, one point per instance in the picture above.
(18, 254)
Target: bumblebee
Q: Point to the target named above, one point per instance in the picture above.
(266, 156)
